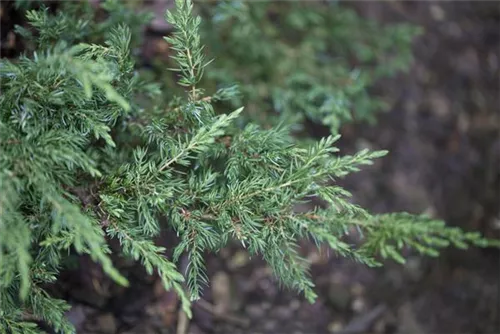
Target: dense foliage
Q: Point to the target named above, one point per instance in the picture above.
(89, 150)
(304, 59)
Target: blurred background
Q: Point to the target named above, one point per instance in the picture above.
(442, 128)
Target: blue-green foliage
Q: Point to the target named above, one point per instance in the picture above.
(81, 159)
(304, 59)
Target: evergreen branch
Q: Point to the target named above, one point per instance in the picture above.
(202, 139)
(186, 42)
(86, 235)
(14, 249)
(50, 310)
(336, 167)
(89, 73)
(12, 324)
(152, 258)
(387, 234)
(289, 267)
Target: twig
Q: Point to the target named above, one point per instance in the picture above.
(182, 323)
(10, 142)
(243, 322)
(362, 323)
